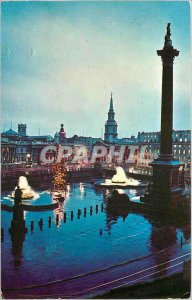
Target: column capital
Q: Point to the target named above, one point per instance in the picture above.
(168, 55)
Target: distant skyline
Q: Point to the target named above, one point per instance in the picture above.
(61, 60)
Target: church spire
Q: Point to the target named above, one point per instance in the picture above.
(111, 102)
(111, 125)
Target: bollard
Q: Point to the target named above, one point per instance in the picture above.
(57, 219)
(181, 242)
(78, 213)
(102, 207)
(72, 215)
(2, 234)
(32, 225)
(97, 208)
(64, 217)
(85, 212)
(100, 232)
(91, 210)
(41, 224)
(49, 222)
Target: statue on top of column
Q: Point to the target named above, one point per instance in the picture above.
(168, 35)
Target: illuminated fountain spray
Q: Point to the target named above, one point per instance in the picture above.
(27, 192)
(121, 180)
(120, 176)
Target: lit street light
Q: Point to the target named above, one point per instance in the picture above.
(28, 156)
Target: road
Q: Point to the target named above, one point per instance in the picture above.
(154, 266)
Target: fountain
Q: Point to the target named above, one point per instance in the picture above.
(27, 192)
(120, 180)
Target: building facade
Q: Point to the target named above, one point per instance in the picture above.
(17, 147)
(181, 143)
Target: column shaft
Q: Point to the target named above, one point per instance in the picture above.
(167, 110)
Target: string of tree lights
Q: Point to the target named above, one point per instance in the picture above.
(59, 174)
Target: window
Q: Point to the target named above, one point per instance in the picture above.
(180, 134)
(189, 151)
(179, 151)
(185, 139)
(180, 140)
(183, 151)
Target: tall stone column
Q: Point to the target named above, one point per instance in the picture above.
(168, 53)
(165, 190)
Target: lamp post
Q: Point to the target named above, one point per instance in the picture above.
(28, 156)
(27, 159)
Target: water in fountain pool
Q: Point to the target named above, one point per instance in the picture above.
(78, 245)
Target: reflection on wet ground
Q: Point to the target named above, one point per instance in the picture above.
(79, 237)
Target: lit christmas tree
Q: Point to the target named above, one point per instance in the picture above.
(59, 174)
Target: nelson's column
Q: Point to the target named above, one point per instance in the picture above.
(166, 188)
